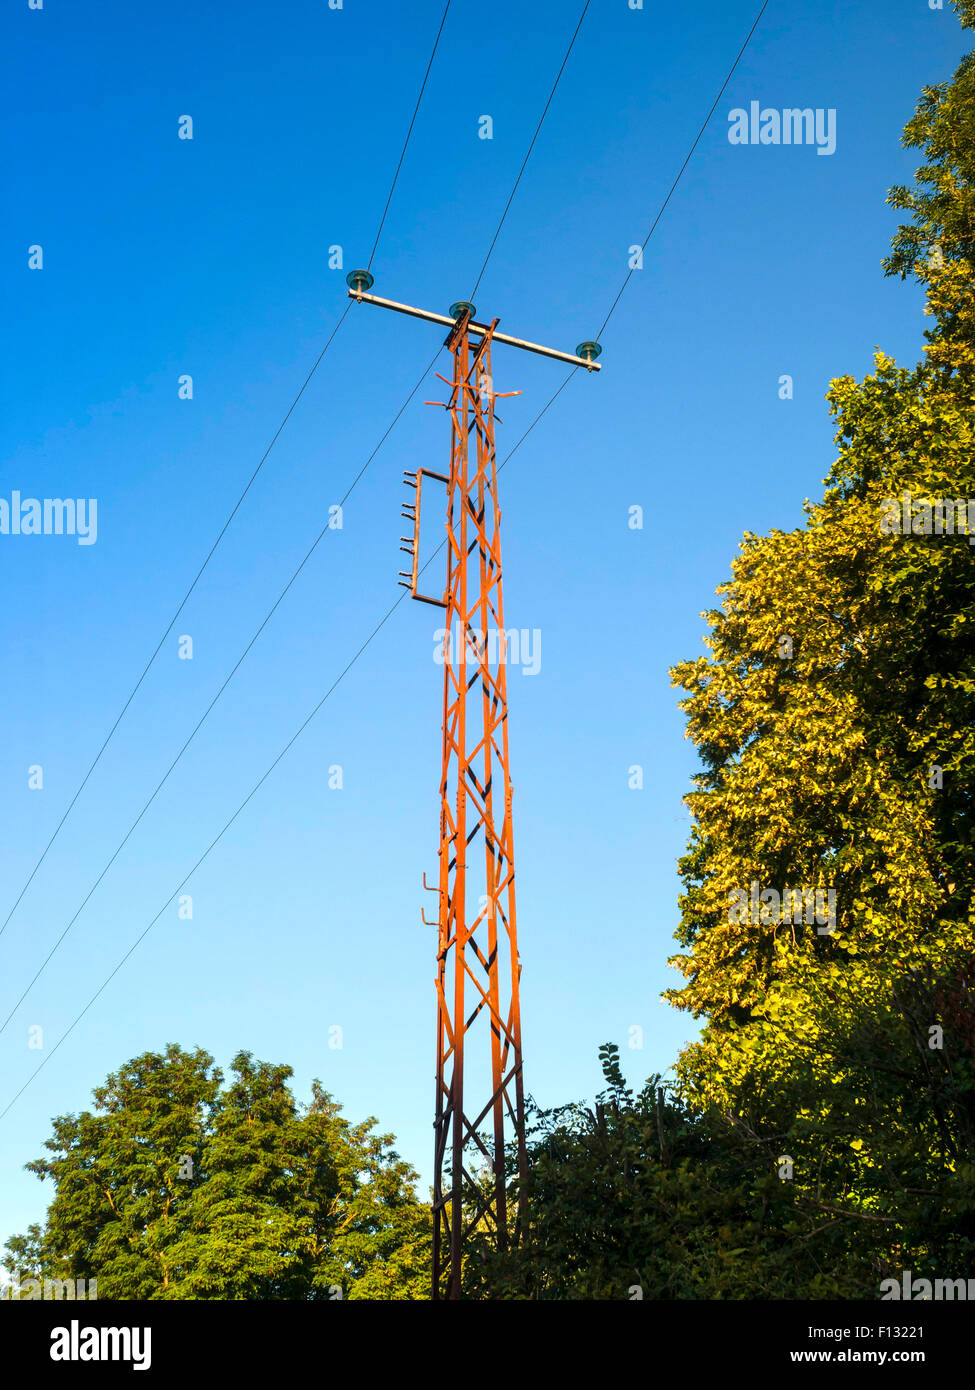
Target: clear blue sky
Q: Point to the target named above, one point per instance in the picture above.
(164, 257)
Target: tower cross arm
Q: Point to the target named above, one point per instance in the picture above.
(478, 329)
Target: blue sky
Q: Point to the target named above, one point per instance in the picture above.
(210, 257)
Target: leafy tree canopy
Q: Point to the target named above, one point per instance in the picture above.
(640, 1197)
(835, 720)
(178, 1185)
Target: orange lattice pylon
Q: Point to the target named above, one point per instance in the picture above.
(479, 1081)
(478, 968)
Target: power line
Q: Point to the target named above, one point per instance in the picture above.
(206, 713)
(271, 611)
(423, 86)
(514, 190)
(213, 843)
(257, 786)
(199, 574)
(172, 622)
(399, 600)
(704, 125)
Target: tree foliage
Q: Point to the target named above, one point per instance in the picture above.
(843, 757)
(641, 1197)
(178, 1186)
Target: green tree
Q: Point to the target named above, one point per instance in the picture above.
(842, 758)
(638, 1196)
(180, 1187)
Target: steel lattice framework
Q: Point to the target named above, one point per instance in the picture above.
(478, 968)
(480, 1086)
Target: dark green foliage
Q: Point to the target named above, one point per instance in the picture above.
(637, 1197)
(180, 1187)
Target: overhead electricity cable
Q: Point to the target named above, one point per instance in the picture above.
(206, 713)
(271, 611)
(400, 599)
(223, 530)
(172, 623)
(423, 87)
(257, 786)
(690, 154)
(528, 156)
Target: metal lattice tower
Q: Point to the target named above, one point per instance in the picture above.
(478, 969)
(479, 1083)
